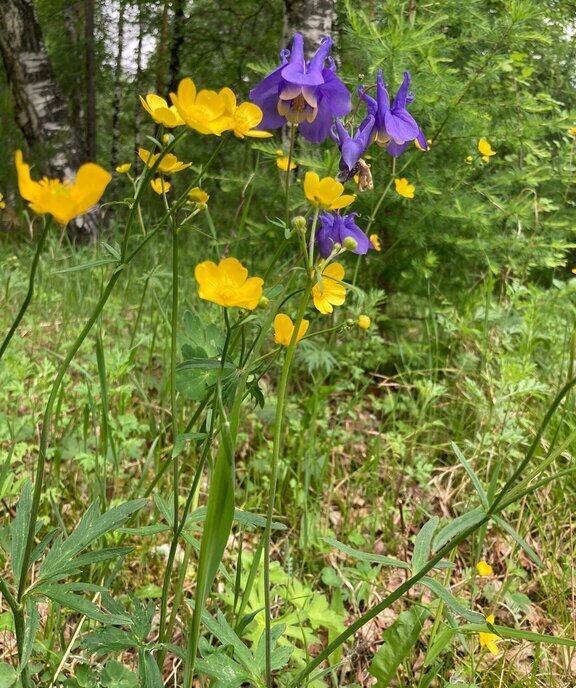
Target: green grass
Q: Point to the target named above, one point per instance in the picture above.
(368, 460)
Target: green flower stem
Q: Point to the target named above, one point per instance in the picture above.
(30, 292)
(216, 499)
(312, 239)
(277, 449)
(174, 413)
(287, 187)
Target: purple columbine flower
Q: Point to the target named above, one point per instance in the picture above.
(394, 126)
(303, 92)
(334, 229)
(352, 147)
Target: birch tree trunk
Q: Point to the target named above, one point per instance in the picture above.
(90, 65)
(117, 88)
(312, 18)
(40, 108)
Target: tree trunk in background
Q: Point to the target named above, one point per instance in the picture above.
(72, 25)
(40, 108)
(117, 89)
(162, 49)
(178, 23)
(138, 79)
(312, 18)
(90, 79)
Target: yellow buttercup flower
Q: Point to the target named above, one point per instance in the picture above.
(364, 322)
(122, 169)
(489, 640)
(283, 164)
(203, 111)
(375, 241)
(160, 185)
(2, 204)
(483, 568)
(244, 117)
(63, 200)
(485, 149)
(326, 193)
(169, 164)
(198, 196)
(330, 293)
(228, 284)
(160, 111)
(284, 329)
(404, 188)
(572, 131)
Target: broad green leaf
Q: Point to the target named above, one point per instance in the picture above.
(65, 597)
(108, 639)
(446, 596)
(457, 526)
(30, 630)
(515, 535)
(92, 526)
(280, 654)
(19, 529)
(365, 556)
(423, 543)
(222, 630)
(398, 641)
(223, 669)
(441, 641)
(115, 675)
(152, 678)
(8, 676)
(473, 477)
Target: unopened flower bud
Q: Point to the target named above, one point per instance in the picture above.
(299, 224)
(337, 247)
(167, 138)
(364, 322)
(264, 301)
(350, 244)
(468, 159)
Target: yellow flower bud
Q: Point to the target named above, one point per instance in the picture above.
(364, 322)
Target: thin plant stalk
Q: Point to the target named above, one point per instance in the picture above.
(30, 292)
(174, 413)
(277, 449)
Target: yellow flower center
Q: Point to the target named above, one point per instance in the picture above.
(55, 187)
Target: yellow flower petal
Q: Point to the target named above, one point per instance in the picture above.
(325, 193)
(284, 329)
(484, 148)
(228, 284)
(484, 569)
(375, 241)
(197, 195)
(160, 185)
(330, 292)
(283, 164)
(63, 200)
(122, 169)
(404, 188)
(489, 640)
